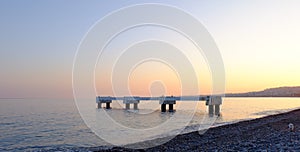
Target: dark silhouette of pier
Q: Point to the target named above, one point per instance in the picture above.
(213, 102)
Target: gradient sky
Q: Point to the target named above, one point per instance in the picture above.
(258, 40)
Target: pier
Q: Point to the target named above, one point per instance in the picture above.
(131, 100)
(213, 102)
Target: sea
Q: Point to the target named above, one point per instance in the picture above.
(64, 125)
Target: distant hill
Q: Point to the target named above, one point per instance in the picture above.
(271, 92)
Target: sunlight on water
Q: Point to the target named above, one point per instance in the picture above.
(32, 124)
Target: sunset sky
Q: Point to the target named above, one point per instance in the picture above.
(258, 41)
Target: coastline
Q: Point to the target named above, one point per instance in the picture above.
(268, 133)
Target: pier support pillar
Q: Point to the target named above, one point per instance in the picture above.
(214, 103)
(135, 106)
(217, 109)
(211, 110)
(170, 100)
(163, 107)
(171, 108)
(107, 105)
(100, 100)
(99, 105)
(106, 100)
(131, 100)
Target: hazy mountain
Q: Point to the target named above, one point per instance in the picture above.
(271, 92)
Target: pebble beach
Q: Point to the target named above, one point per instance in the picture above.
(270, 133)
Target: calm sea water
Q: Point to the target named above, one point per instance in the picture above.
(34, 124)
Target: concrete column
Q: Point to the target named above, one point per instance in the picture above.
(163, 107)
(171, 108)
(135, 106)
(211, 109)
(127, 106)
(99, 105)
(107, 105)
(217, 109)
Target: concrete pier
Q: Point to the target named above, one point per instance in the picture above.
(131, 100)
(217, 109)
(167, 100)
(163, 108)
(108, 105)
(213, 102)
(99, 105)
(135, 106)
(101, 100)
(171, 108)
(211, 110)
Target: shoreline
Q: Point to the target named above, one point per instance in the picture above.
(266, 133)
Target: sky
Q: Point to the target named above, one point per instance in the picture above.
(258, 41)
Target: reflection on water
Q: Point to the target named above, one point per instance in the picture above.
(32, 124)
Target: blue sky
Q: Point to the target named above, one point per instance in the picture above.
(257, 39)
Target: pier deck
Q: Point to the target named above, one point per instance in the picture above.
(213, 102)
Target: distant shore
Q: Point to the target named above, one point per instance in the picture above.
(269, 133)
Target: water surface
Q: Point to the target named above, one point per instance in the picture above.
(33, 124)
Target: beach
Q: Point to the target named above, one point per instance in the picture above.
(270, 133)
